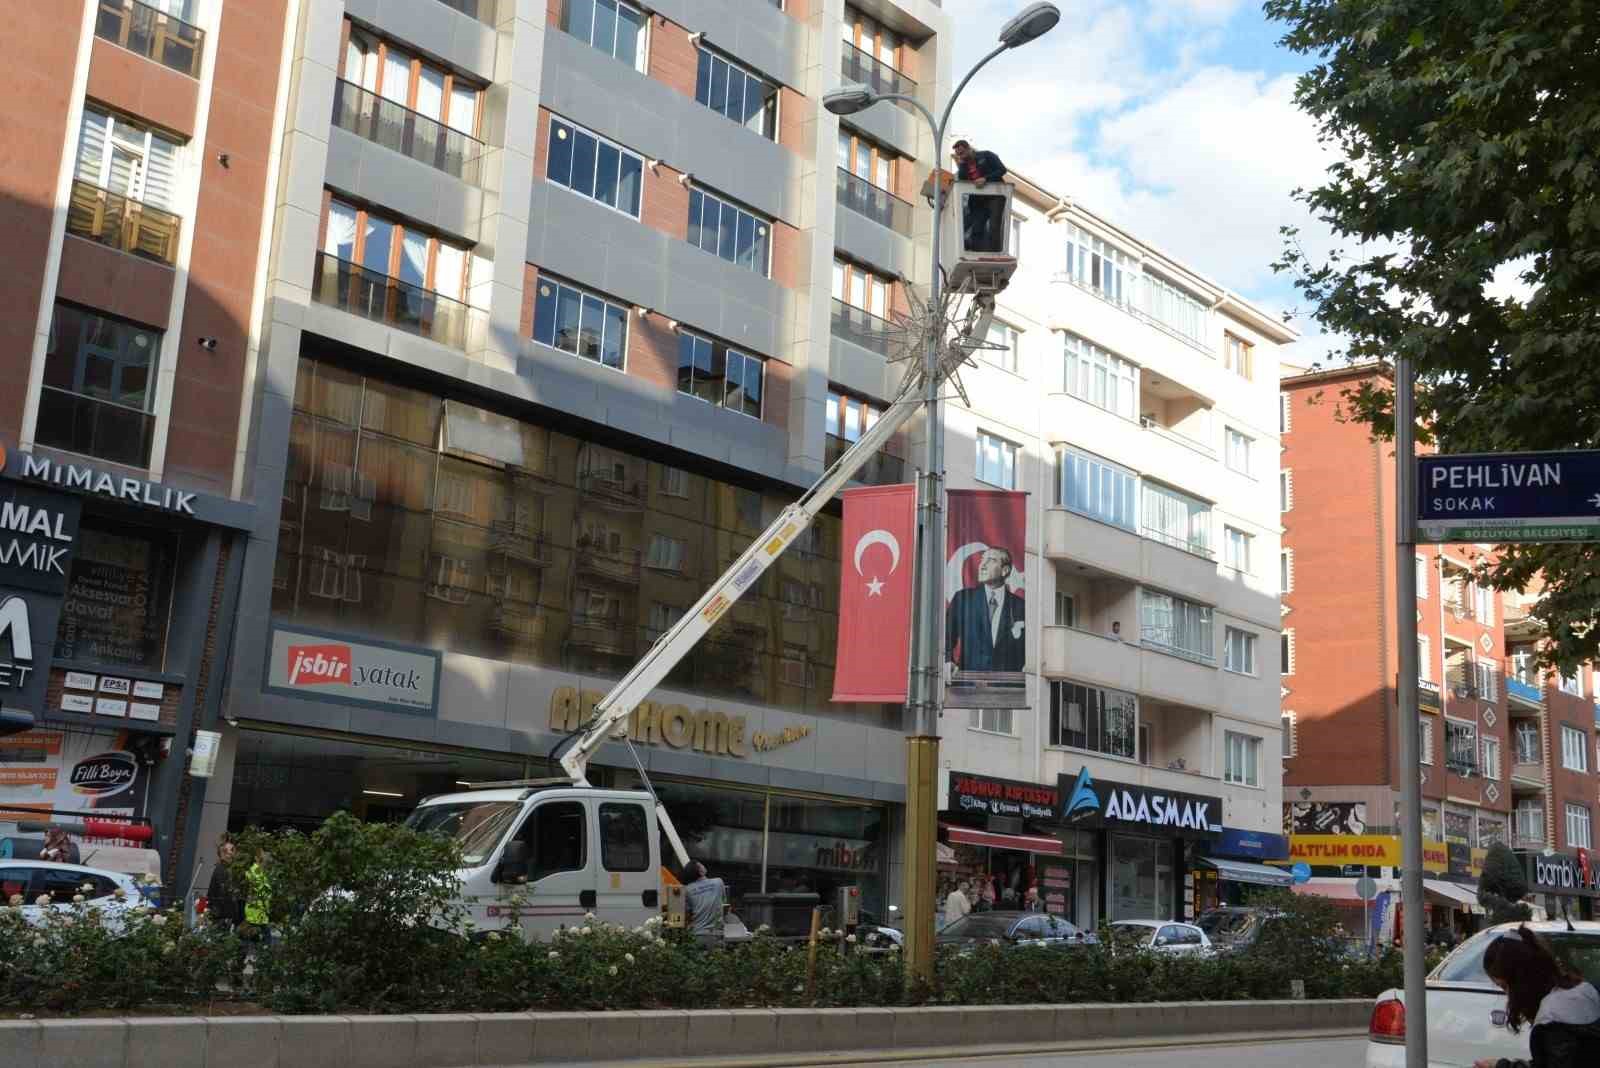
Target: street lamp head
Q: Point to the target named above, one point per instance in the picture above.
(1035, 21)
(849, 99)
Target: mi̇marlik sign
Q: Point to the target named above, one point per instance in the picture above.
(1515, 496)
(1086, 802)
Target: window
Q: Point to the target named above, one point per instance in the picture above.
(1177, 519)
(1237, 455)
(1237, 356)
(1424, 658)
(1286, 571)
(1283, 413)
(1425, 740)
(556, 833)
(1007, 340)
(582, 323)
(1484, 676)
(1290, 724)
(849, 417)
(1483, 605)
(1529, 817)
(1578, 826)
(1095, 375)
(450, 579)
(997, 461)
(127, 158)
(1066, 610)
(1243, 759)
(1016, 234)
(1096, 488)
(385, 246)
(860, 288)
(674, 481)
(665, 554)
(719, 375)
(612, 27)
(1088, 717)
(595, 168)
(415, 84)
(994, 720)
(734, 92)
(1491, 758)
(1239, 651)
(663, 617)
(1285, 490)
(1526, 739)
(733, 233)
(1176, 625)
(624, 838)
(867, 160)
(1491, 829)
(1574, 748)
(1174, 308)
(871, 37)
(1461, 747)
(1236, 548)
(1423, 572)
(99, 386)
(1286, 652)
(1099, 267)
(1572, 684)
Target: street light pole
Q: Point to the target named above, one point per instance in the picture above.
(926, 690)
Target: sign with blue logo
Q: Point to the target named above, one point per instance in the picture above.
(1510, 496)
(1087, 803)
(1251, 845)
(1301, 872)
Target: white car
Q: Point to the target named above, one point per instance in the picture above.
(1466, 1012)
(33, 879)
(1162, 936)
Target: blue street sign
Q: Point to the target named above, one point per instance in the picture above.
(1301, 872)
(1509, 496)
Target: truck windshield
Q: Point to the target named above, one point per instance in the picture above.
(477, 826)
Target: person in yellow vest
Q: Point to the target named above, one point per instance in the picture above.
(258, 899)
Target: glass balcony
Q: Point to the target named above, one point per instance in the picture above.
(861, 327)
(119, 222)
(416, 310)
(93, 427)
(398, 128)
(1178, 541)
(881, 470)
(879, 205)
(862, 68)
(482, 10)
(151, 33)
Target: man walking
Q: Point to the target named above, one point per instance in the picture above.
(981, 219)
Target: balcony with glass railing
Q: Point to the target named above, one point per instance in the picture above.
(873, 202)
(94, 427)
(863, 68)
(410, 133)
(860, 327)
(122, 223)
(880, 470)
(482, 10)
(412, 308)
(152, 33)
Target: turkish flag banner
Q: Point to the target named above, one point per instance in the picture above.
(878, 554)
(986, 639)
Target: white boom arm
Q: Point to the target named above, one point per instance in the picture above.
(676, 643)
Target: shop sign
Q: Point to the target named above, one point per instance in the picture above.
(104, 484)
(325, 667)
(38, 532)
(673, 725)
(1254, 845)
(988, 796)
(1326, 817)
(1339, 849)
(1055, 886)
(1562, 873)
(41, 770)
(1125, 806)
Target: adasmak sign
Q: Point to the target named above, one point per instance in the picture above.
(1087, 802)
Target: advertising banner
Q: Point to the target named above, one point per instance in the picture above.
(1331, 849)
(329, 667)
(1326, 817)
(1055, 886)
(986, 636)
(879, 546)
(988, 796)
(1087, 803)
(69, 771)
(38, 533)
(1573, 874)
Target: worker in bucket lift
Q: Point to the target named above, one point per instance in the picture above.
(982, 224)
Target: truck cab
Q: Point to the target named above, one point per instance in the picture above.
(568, 850)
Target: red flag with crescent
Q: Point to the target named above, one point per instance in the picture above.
(877, 557)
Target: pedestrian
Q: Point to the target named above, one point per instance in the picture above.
(224, 903)
(257, 901)
(1562, 1006)
(988, 894)
(1031, 900)
(1116, 630)
(957, 904)
(702, 899)
(982, 224)
(58, 847)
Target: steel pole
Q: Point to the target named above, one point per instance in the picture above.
(1412, 934)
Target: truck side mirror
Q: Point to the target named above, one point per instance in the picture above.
(513, 862)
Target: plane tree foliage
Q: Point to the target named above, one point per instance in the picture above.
(1464, 206)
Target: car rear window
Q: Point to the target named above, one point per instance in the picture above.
(1580, 949)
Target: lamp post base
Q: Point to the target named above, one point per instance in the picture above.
(920, 859)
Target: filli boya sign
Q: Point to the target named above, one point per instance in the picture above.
(1001, 797)
(1125, 806)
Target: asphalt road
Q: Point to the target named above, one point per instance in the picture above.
(1324, 1053)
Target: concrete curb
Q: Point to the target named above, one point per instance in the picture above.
(463, 1041)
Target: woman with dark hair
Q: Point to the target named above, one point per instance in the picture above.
(1563, 1008)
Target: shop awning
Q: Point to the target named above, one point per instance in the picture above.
(1242, 871)
(1022, 843)
(1453, 894)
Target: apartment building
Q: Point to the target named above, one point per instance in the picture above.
(1506, 754)
(1135, 401)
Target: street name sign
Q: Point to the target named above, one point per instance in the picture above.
(1509, 496)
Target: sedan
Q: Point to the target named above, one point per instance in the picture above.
(1466, 1011)
(1161, 936)
(33, 880)
(1034, 929)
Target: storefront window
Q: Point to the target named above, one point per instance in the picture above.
(119, 596)
(722, 829)
(819, 846)
(1141, 878)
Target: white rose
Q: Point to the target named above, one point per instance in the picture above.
(42, 900)
(588, 917)
(586, 930)
(554, 955)
(850, 939)
(158, 919)
(613, 969)
(78, 899)
(628, 957)
(493, 937)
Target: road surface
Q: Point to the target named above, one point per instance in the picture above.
(1323, 1053)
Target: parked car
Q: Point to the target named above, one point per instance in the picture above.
(1466, 1011)
(1032, 929)
(33, 879)
(1234, 928)
(1161, 936)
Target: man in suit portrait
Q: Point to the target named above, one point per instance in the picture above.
(984, 624)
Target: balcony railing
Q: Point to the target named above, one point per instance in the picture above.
(1177, 436)
(860, 327)
(151, 33)
(1177, 541)
(482, 10)
(94, 427)
(352, 288)
(1153, 640)
(122, 223)
(1523, 691)
(610, 489)
(881, 470)
(410, 133)
(879, 205)
(620, 565)
(863, 68)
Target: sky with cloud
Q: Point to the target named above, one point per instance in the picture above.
(1173, 118)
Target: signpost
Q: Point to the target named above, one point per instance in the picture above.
(1366, 890)
(1509, 496)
